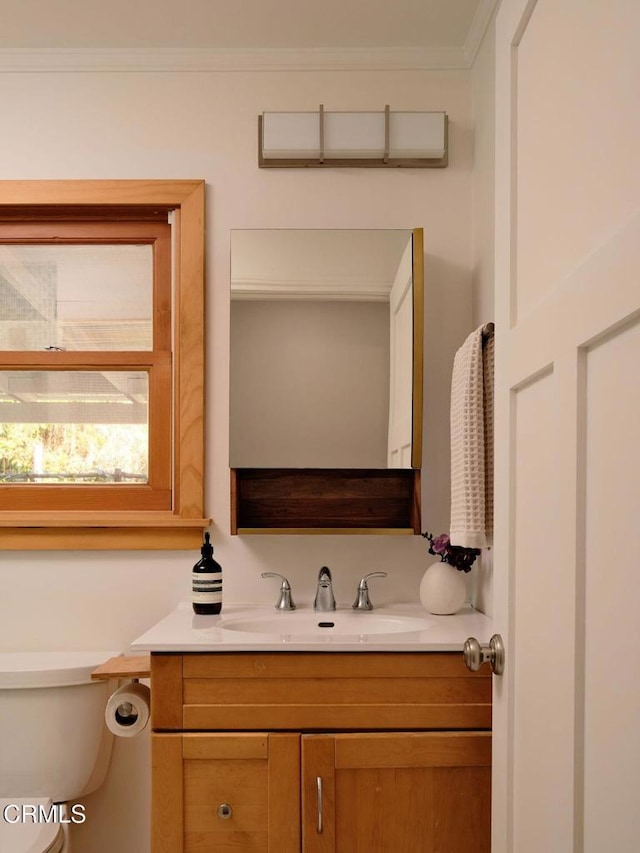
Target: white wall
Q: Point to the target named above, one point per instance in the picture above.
(482, 246)
(482, 243)
(204, 125)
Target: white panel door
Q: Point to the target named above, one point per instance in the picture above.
(567, 514)
(401, 364)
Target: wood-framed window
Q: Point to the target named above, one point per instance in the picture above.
(103, 337)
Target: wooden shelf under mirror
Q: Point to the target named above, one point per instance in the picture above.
(314, 500)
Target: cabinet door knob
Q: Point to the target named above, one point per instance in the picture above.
(475, 654)
(224, 811)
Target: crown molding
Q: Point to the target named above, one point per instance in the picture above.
(324, 289)
(477, 30)
(214, 59)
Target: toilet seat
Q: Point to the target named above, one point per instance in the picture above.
(30, 837)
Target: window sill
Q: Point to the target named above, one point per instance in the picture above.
(56, 530)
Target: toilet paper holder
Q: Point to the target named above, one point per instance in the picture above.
(130, 667)
(125, 713)
(127, 710)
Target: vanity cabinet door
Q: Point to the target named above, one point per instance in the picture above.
(399, 792)
(226, 792)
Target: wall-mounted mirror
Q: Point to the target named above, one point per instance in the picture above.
(326, 349)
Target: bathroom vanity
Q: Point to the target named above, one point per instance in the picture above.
(285, 739)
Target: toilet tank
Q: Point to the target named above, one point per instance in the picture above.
(54, 741)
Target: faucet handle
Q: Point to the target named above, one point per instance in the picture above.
(363, 602)
(285, 600)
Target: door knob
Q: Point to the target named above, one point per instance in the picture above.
(475, 654)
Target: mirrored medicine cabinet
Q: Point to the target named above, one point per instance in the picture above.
(326, 380)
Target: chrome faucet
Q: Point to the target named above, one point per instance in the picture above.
(325, 599)
(285, 599)
(363, 602)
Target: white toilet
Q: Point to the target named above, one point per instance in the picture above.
(54, 745)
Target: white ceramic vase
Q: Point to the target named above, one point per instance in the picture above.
(443, 589)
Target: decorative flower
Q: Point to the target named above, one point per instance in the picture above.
(460, 558)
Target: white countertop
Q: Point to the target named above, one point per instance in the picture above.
(184, 631)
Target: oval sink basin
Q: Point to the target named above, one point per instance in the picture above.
(328, 624)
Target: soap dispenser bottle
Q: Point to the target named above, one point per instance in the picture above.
(207, 582)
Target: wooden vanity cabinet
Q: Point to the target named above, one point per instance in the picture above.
(290, 752)
(225, 792)
(400, 792)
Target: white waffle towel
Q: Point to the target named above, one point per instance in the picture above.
(472, 442)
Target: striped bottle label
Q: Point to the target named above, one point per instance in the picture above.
(207, 587)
